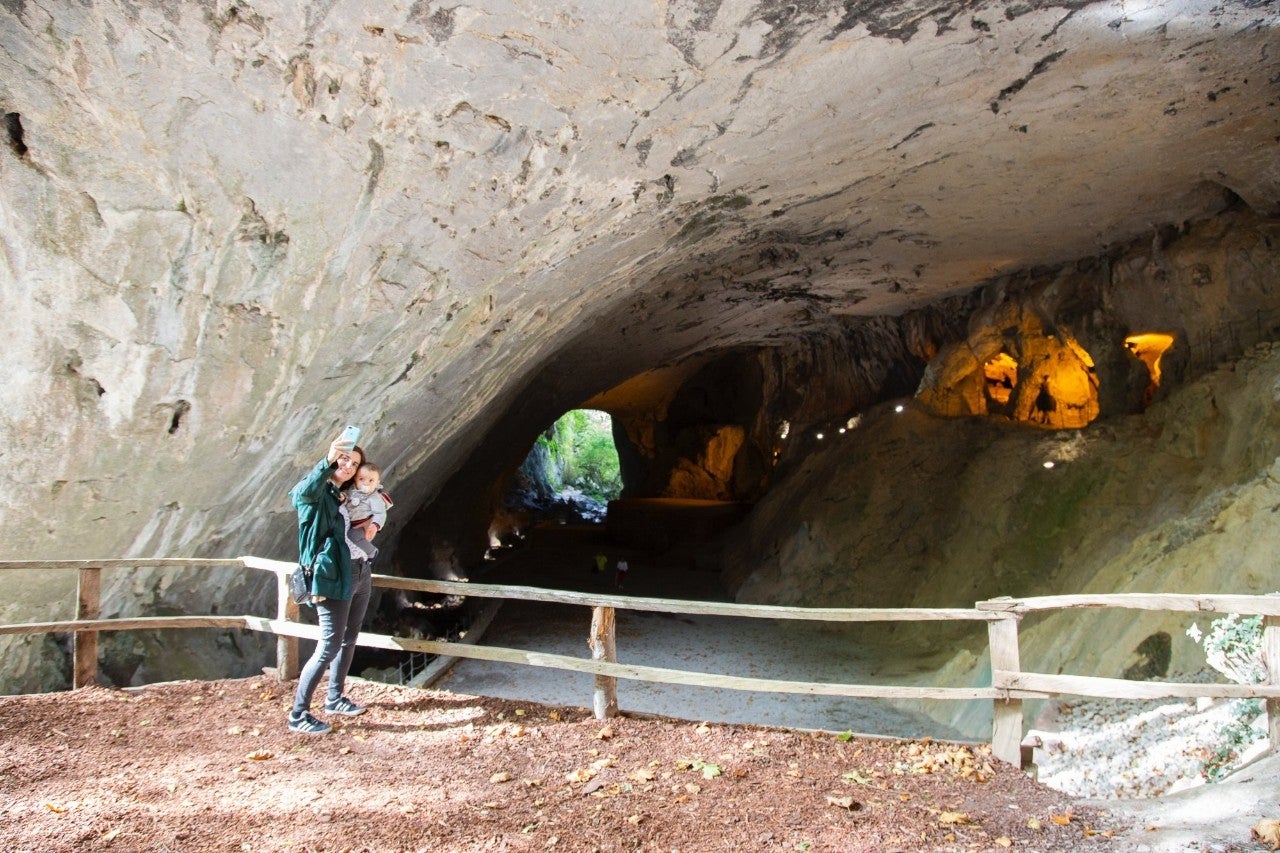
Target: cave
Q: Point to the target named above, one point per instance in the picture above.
(845, 277)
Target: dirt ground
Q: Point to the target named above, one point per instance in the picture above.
(204, 766)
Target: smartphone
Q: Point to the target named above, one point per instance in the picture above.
(351, 435)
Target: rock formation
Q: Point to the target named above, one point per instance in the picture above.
(231, 226)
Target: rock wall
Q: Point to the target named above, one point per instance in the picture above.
(913, 509)
(228, 227)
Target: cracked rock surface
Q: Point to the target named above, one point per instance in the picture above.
(229, 227)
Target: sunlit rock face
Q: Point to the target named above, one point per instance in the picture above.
(231, 227)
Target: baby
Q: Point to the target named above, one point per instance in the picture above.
(366, 505)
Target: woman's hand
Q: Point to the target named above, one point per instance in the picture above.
(371, 530)
(338, 448)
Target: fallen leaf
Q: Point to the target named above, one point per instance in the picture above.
(634, 819)
(1267, 832)
(1004, 841)
(844, 803)
(235, 730)
(110, 834)
(260, 755)
(55, 808)
(642, 775)
(1062, 819)
(343, 750)
(703, 729)
(692, 788)
(856, 776)
(958, 818)
(605, 733)
(502, 776)
(1035, 824)
(555, 715)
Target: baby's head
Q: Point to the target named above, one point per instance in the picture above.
(368, 478)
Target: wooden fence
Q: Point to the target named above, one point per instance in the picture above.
(1010, 685)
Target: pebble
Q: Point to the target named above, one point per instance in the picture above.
(1123, 749)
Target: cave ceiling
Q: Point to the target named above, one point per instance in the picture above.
(233, 226)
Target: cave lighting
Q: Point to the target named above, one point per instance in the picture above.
(1001, 373)
(899, 407)
(1048, 463)
(843, 430)
(785, 429)
(1148, 347)
(853, 422)
(820, 436)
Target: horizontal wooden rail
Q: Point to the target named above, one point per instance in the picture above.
(690, 607)
(139, 623)
(132, 563)
(1250, 605)
(1043, 684)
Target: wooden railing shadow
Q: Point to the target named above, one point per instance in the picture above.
(1010, 685)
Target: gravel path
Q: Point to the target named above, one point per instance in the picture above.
(760, 648)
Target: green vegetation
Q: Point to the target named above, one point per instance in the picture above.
(581, 454)
(1233, 646)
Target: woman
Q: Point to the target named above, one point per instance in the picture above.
(340, 587)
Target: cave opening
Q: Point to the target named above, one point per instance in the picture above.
(569, 476)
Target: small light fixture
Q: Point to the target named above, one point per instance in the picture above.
(820, 436)
(843, 430)
(1048, 463)
(899, 407)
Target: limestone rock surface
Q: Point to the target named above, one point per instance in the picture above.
(228, 227)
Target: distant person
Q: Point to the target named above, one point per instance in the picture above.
(601, 562)
(621, 574)
(1045, 404)
(366, 504)
(340, 587)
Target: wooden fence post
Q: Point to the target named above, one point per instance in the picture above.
(604, 647)
(1271, 656)
(88, 606)
(287, 667)
(1006, 725)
